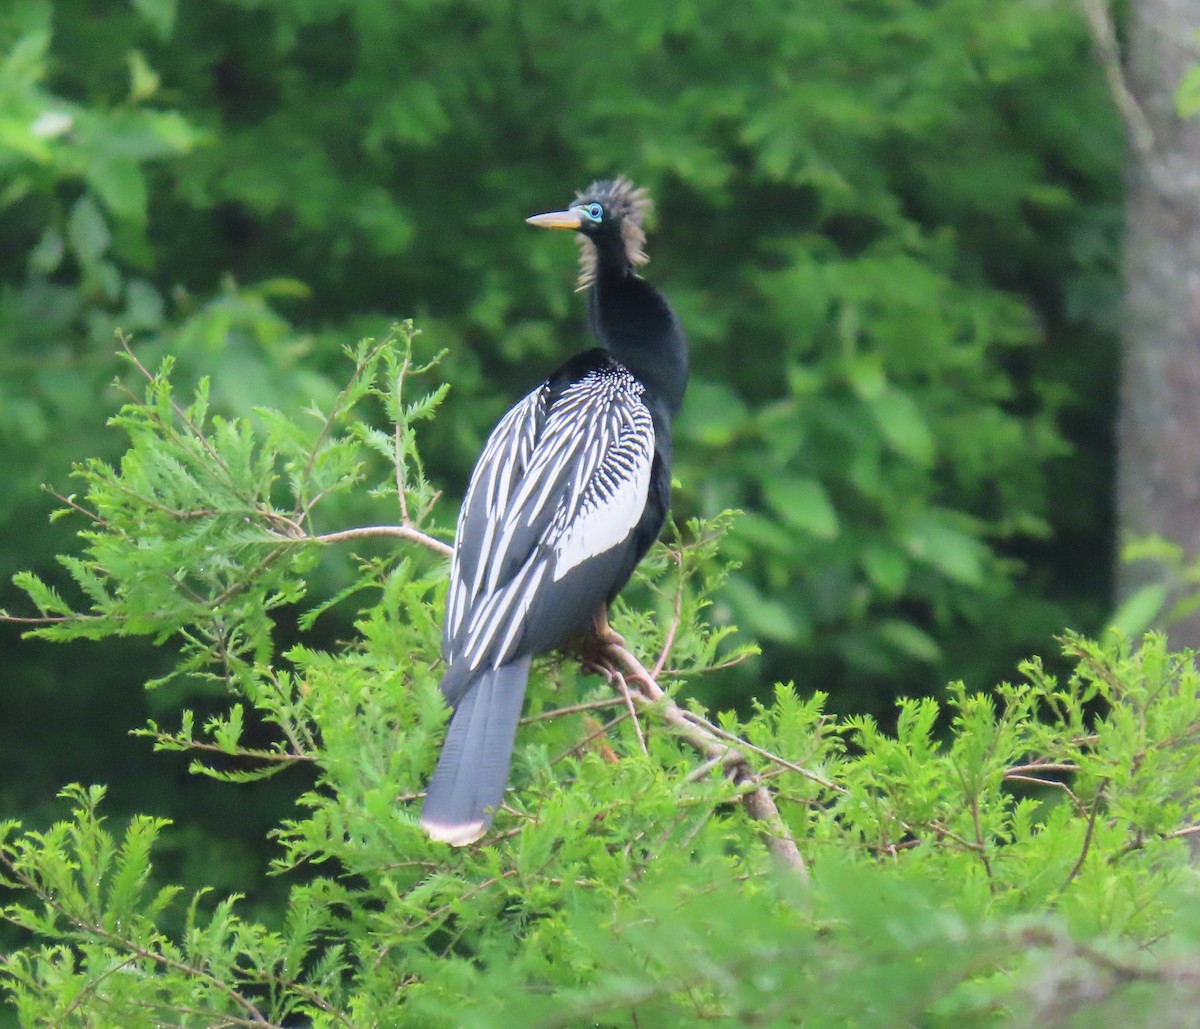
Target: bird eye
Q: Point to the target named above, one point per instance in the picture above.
(594, 211)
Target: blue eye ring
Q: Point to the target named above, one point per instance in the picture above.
(593, 212)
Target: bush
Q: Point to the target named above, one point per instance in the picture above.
(784, 868)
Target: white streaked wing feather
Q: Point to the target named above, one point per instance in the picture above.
(608, 511)
(589, 469)
(575, 439)
(496, 472)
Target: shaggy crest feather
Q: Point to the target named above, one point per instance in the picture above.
(622, 200)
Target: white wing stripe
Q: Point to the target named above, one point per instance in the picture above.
(505, 452)
(600, 526)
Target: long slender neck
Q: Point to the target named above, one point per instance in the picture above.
(634, 323)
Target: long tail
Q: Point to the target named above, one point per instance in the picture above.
(471, 773)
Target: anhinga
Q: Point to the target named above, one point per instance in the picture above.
(571, 489)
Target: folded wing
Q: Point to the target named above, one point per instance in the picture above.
(561, 485)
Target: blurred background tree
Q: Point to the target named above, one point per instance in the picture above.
(1158, 473)
(891, 230)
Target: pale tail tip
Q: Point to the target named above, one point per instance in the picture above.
(458, 835)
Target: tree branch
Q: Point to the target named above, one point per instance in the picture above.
(759, 803)
(1104, 39)
(406, 532)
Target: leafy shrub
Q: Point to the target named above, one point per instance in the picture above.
(1031, 869)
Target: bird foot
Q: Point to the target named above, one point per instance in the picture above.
(591, 646)
(605, 635)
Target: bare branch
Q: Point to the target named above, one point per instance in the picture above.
(405, 532)
(1017, 771)
(1053, 784)
(1179, 834)
(616, 679)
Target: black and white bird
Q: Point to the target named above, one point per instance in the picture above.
(569, 493)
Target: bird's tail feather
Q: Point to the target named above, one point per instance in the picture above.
(472, 771)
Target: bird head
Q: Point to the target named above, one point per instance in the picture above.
(609, 219)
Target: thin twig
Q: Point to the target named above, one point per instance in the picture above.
(982, 850)
(731, 662)
(575, 748)
(676, 618)
(45, 619)
(176, 1010)
(571, 709)
(212, 748)
(1139, 841)
(943, 833)
(701, 771)
(398, 443)
(90, 515)
(1179, 834)
(615, 677)
(1087, 837)
(1053, 784)
(1039, 766)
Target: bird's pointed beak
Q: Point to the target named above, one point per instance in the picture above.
(570, 219)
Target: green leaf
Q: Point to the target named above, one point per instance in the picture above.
(765, 617)
(886, 566)
(47, 255)
(1187, 96)
(712, 414)
(1141, 610)
(935, 539)
(867, 376)
(118, 181)
(143, 80)
(902, 425)
(87, 231)
(803, 504)
(160, 14)
(910, 641)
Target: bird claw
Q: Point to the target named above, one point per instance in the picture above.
(604, 633)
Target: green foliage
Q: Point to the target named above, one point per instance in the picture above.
(870, 226)
(1187, 93)
(1031, 869)
(218, 508)
(1172, 592)
(890, 229)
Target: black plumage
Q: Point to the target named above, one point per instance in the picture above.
(570, 491)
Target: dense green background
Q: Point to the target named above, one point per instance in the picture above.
(890, 228)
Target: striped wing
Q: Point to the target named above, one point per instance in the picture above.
(557, 485)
